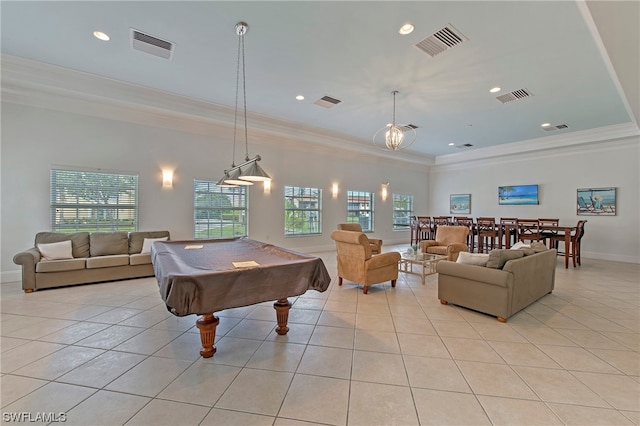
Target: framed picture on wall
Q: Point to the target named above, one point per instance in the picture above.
(460, 203)
(596, 202)
(518, 194)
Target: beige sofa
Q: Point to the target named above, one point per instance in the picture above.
(88, 258)
(501, 291)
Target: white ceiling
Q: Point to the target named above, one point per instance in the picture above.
(352, 51)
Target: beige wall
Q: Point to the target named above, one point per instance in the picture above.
(135, 131)
(558, 173)
(35, 139)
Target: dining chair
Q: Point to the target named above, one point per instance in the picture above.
(439, 221)
(487, 233)
(529, 230)
(468, 222)
(574, 242)
(509, 230)
(425, 228)
(415, 230)
(549, 228)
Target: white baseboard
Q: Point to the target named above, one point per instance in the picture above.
(611, 257)
(10, 276)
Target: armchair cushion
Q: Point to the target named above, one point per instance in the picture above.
(376, 244)
(449, 241)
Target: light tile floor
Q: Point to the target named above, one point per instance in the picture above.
(110, 354)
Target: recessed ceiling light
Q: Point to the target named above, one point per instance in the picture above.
(300, 97)
(545, 124)
(406, 29)
(101, 36)
(495, 89)
(451, 144)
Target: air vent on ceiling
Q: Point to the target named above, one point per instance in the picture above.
(515, 95)
(464, 145)
(327, 102)
(151, 45)
(410, 126)
(440, 41)
(558, 127)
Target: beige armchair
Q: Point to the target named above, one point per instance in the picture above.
(376, 245)
(357, 264)
(450, 240)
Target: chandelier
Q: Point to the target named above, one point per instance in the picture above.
(234, 176)
(395, 136)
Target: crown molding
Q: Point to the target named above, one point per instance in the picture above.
(548, 143)
(37, 84)
(541, 155)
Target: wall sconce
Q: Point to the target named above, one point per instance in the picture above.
(267, 187)
(167, 178)
(384, 193)
(334, 190)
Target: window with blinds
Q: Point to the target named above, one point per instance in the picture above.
(302, 211)
(402, 211)
(90, 201)
(360, 209)
(219, 212)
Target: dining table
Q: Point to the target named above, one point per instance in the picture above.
(505, 231)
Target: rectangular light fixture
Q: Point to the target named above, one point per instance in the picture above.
(167, 178)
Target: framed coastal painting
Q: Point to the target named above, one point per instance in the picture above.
(518, 194)
(460, 203)
(596, 202)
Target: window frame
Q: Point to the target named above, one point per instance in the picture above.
(408, 213)
(88, 214)
(293, 211)
(240, 197)
(354, 215)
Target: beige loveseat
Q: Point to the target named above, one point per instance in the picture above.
(499, 291)
(84, 257)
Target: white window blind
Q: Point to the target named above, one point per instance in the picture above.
(93, 201)
(218, 212)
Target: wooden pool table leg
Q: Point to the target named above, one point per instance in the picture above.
(207, 325)
(282, 307)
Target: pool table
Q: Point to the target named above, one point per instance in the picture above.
(201, 277)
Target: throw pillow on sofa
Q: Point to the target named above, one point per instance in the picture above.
(537, 246)
(498, 257)
(478, 259)
(55, 251)
(79, 241)
(146, 244)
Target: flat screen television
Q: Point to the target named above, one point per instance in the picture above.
(518, 194)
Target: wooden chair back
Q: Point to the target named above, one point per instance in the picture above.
(529, 230)
(425, 228)
(509, 228)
